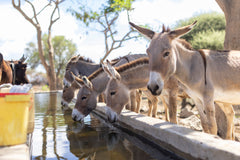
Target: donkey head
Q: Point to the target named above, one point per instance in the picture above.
(86, 99)
(67, 95)
(70, 68)
(117, 94)
(162, 57)
(20, 70)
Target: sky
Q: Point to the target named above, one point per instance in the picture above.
(16, 32)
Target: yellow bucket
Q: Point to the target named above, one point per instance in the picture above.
(14, 115)
(31, 114)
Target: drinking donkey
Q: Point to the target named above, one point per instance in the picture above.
(207, 76)
(92, 86)
(131, 76)
(81, 66)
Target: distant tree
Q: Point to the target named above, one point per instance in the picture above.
(33, 19)
(105, 18)
(231, 11)
(208, 33)
(64, 49)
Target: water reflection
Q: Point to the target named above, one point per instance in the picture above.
(57, 136)
(94, 141)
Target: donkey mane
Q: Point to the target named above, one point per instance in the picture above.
(186, 44)
(95, 74)
(76, 59)
(116, 60)
(81, 58)
(132, 64)
(121, 68)
(85, 59)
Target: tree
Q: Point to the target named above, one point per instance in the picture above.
(105, 18)
(208, 33)
(64, 49)
(231, 11)
(54, 17)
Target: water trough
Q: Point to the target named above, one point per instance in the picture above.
(182, 141)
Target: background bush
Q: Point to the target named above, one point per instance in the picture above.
(208, 33)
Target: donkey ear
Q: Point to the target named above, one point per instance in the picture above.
(146, 32)
(87, 83)
(77, 80)
(181, 31)
(113, 71)
(106, 70)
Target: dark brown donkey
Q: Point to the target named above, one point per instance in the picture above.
(81, 66)
(5, 71)
(13, 71)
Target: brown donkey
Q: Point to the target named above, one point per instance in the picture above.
(94, 85)
(207, 76)
(81, 66)
(131, 76)
(5, 71)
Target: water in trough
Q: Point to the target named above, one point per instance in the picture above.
(57, 136)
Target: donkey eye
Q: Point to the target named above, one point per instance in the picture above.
(112, 93)
(166, 54)
(84, 97)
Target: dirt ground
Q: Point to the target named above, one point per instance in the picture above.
(192, 121)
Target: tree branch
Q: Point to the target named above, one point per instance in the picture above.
(18, 8)
(43, 8)
(54, 10)
(34, 12)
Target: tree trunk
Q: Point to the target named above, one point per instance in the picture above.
(50, 69)
(50, 72)
(231, 9)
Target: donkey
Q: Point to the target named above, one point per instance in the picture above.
(207, 76)
(85, 105)
(78, 65)
(6, 75)
(81, 66)
(132, 76)
(19, 69)
(13, 71)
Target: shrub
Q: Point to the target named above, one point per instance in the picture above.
(209, 31)
(208, 40)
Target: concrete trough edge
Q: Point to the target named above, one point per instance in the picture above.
(183, 141)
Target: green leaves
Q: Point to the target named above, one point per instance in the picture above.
(118, 5)
(84, 14)
(63, 50)
(209, 31)
(87, 15)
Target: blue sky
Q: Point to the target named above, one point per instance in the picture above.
(16, 32)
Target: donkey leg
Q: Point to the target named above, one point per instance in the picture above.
(210, 112)
(133, 100)
(171, 87)
(101, 98)
(150, 107)
(229, 113)
(203, 116)
(155, 104)
(173, 107)
(138, 99)
(165, 105)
